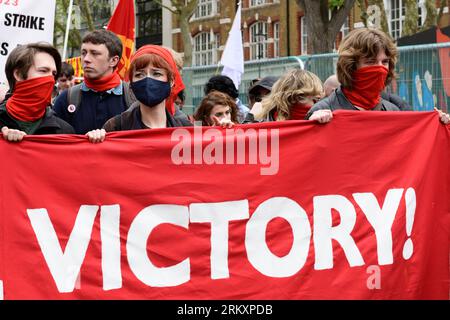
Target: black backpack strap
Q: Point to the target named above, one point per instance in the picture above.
(74, 95)
(117, 123)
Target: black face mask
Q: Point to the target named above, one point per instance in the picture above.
(150, 92)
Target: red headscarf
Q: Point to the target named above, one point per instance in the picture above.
(178, 84)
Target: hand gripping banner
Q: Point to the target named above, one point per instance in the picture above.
(354, 209)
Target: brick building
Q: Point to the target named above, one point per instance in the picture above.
(271, 28)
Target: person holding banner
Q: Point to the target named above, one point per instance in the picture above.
(366, 65)
(103, 95)
(153, 75)
(31, 70)
(290, 99)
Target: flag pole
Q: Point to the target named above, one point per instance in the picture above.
(66, 37)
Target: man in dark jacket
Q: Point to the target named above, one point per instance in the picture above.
(31, 71)
(102, 94)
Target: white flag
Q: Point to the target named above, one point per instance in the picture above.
(233, 55)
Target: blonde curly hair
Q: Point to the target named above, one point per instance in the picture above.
(294, 86)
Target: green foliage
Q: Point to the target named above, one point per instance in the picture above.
(335, 4)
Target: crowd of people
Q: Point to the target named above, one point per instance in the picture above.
(154, 95)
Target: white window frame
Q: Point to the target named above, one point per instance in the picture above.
(304, 41)
(204, 50)
(397, 10)
(205, 9)
(256, 3)
(276, 40)
(258, 47)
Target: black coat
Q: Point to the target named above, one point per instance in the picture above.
(50, 123)
(132, 120)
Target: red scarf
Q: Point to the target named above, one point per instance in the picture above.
(368, 82)
(30, 98)
(103, 84)
(178, 84)
(298, 111)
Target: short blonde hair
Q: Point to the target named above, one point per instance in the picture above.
(294, 86)
(364, 44)
(177, 57)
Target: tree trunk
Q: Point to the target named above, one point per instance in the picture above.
(410, 26)
(84, 6)
(431, 19)
(187, 40)
(363, 8)
(184, 9)
(322, 30)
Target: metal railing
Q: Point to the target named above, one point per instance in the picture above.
(422, 75)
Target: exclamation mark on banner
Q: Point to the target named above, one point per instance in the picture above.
(1, 290)
(410, 201)
(78, 282)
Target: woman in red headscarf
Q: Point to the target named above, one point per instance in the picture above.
(156, 82)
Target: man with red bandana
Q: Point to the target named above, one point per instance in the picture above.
(102, 92)
(365, 67)
(31, 71)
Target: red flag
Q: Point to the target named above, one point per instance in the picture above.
(122, 24)
(76, 64)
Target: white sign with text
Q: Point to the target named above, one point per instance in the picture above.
(21, 22)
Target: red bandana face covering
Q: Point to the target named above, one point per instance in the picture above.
(298, 111)
(30, 98)
(368, 82)
(103, 84)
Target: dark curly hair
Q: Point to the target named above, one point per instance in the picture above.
(222, 84)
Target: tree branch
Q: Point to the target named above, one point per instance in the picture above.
(166, 7)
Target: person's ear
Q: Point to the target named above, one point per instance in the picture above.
(114, 62)
(17, 75)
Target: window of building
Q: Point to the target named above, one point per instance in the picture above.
(205, 49)
(397, 16)
(345, 29)
(149, 23)
(276, 39)
(304, 42)
(255, 3)
(258, 41)
(205, 8)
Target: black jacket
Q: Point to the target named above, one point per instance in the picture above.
(50, 123)
(132, 120)
(338, 101)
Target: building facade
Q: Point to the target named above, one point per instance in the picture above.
(271, 28)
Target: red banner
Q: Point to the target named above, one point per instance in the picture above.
(354, 209)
